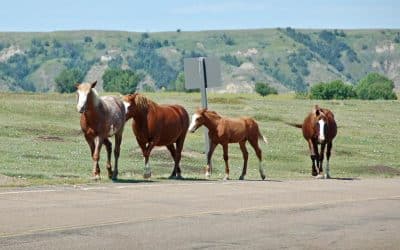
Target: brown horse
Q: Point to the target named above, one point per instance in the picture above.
(101, 117)
(157, 125)
(319, 127)
(223, 131)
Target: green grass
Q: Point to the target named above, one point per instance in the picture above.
(41, 142)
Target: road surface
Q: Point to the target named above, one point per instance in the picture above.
(300, 214)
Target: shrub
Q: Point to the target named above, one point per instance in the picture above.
(375, 86)
(119, 80)
(264, 89)
(334, 90)
(66, 80)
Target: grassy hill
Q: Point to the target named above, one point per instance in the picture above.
(41, 142)
(287, 58)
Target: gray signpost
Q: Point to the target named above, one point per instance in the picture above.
(200, 73)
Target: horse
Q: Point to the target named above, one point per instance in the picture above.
(224, 130)
(101, 118)
(319, 127)
(157, 125)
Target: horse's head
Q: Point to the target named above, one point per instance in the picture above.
(321, 124)
(197, 120)
(83, 90)
(129, 103)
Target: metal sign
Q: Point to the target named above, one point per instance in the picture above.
(202, 71)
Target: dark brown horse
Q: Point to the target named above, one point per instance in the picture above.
(157, 125)
(222, 130)
(100, 118)
(319, 127)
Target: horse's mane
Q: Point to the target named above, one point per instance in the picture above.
(213, 114)
(144, 103)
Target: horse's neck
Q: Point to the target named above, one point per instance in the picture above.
(94, 104)
(211, 121)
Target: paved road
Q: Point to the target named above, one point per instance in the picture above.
(306, 214)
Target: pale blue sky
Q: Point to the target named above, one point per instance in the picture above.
(190, 15)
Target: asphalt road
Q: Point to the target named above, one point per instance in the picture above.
(306, 214)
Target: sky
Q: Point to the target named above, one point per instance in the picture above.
(190, 15)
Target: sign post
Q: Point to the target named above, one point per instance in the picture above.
(200, 73)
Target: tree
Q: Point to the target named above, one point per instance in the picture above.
(88, 39)
(375, 86)
(334, 90)
(264, 89)
(119, 80)
(180, 82)
(66, 80)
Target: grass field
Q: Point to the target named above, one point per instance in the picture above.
(41, 142)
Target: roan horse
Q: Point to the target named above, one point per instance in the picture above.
(222, 130)
(101, 117)
(157, 125)
(319, 127)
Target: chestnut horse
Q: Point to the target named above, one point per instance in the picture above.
(319, 127)
(222, 130)
(157, 125)
(101, 117)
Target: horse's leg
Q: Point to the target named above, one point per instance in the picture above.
(117, 150)
(98, 142)
(245, 158)
(171, 149)
(209, 155)
(313, 157)
(225, 148)
(108, 145)
(328, 156)
(178, 155)
(146, 154)
(321, 158)
(316, 151)
(254, 144)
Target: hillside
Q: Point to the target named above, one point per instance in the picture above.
(287, 58)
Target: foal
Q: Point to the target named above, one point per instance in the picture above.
(223, 131)
(101, 117)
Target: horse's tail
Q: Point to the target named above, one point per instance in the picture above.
(261, 137)
(296, 125)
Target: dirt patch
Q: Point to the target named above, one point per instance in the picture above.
(382, 170)
(10, 181)
(49, 138)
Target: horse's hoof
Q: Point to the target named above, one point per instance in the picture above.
(241, 178)
(320, 176)
(171, 177)
(327, 176)
(179, 177)
(96, 177)
(207, 175)
(147, 175)
(226, 178)
(263, 177)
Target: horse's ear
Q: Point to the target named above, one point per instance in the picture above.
(76, 85)
(94, 84)
(316, 110)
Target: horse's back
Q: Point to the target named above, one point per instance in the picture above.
(176, 113)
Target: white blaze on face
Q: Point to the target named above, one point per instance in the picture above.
(126, 104)
(192, 125)
(321, 130)
(82, 98)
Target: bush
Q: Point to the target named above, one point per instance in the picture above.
(264, 89)
(119, 80)
(66, 80)
(375, 86)
(100, 46)
(334, 90)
